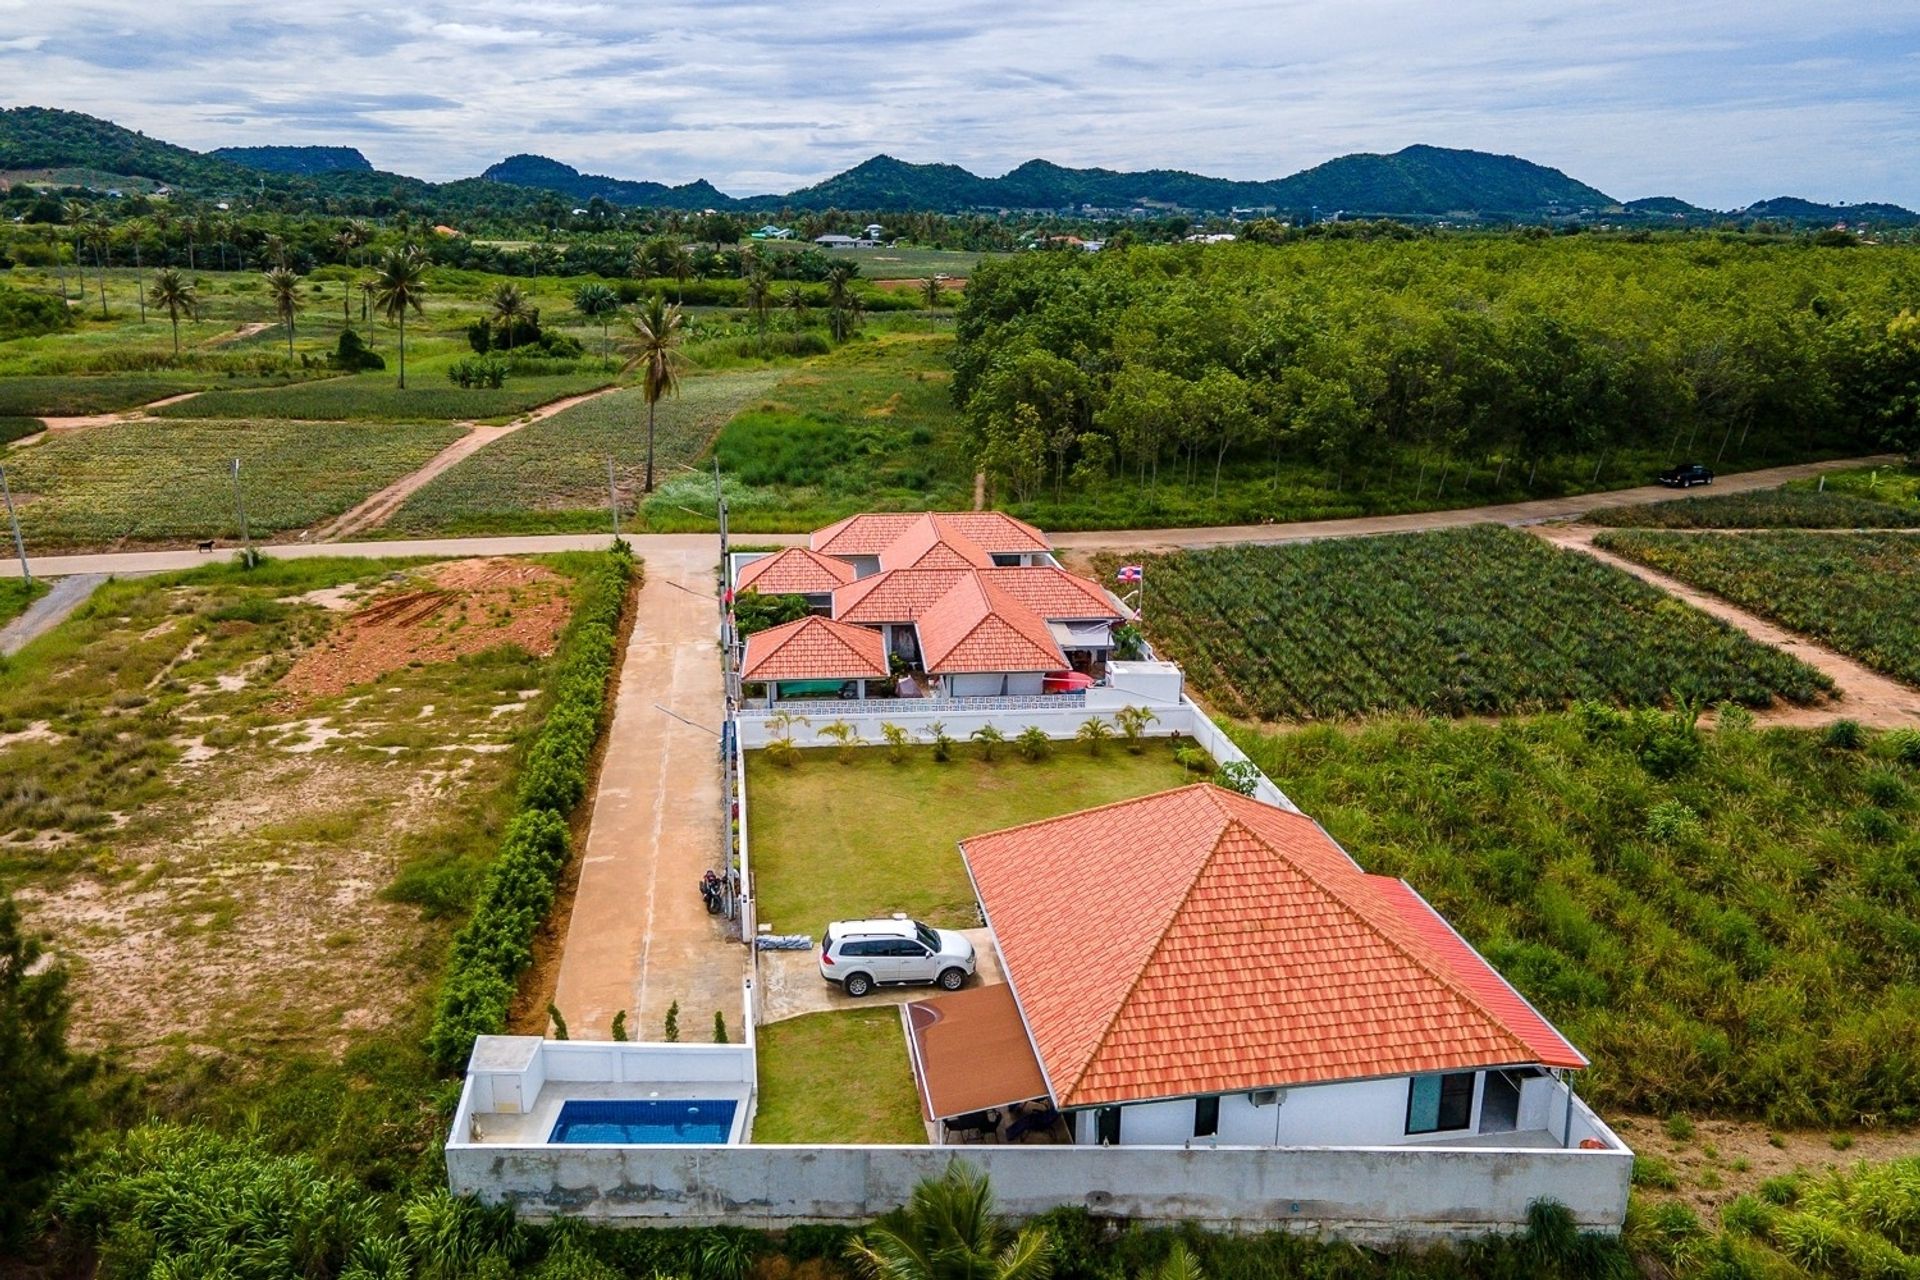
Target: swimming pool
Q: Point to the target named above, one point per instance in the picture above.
(644, 1120)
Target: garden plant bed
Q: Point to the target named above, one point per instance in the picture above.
(1859, 592)
(834, 841)
(1483, 620)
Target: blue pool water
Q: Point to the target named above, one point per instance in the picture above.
(647, 1120)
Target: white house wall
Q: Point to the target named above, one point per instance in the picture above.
(1364, 1113)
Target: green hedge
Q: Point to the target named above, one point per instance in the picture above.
(496, 946)
(12, 429)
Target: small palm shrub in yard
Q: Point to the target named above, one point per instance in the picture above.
(1727, 923)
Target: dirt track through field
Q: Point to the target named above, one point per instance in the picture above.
(1865, 694)
(135, 414)
(378, 508)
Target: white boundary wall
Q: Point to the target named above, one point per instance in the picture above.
(1361, 1194)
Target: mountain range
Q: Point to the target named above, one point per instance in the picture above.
(1414, 182)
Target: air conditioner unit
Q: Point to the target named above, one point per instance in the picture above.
(1267, 1097)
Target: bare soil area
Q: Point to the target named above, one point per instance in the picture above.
(1721, 1159)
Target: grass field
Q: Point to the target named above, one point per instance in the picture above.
(552, 476)
(16, 595)
(1859, 592)
(1724, 922)
(162, 479)
(51, 396)
(900, 263)
(1788, 508)
(1479, 620)
(867, 838)
(376, 397)
(837, 1077)
(869, 427)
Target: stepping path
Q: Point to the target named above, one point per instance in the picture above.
(49, 611)
(1865, 695)
(640, 938)
(378, 508)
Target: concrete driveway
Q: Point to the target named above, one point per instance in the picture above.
(791, 985)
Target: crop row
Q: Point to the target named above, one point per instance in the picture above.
(377, 397)
(1765, 509)
(1470, 621)
(157, 479)
(560, 463)
(1859, 592)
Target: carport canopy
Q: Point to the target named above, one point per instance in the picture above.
(971, 1053)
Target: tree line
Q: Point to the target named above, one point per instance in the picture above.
(1156, 366)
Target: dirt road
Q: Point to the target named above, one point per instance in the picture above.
(378, 508)
(1865, 694)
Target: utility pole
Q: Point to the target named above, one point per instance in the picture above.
(239, 508)
(19, 546)
(613, 499)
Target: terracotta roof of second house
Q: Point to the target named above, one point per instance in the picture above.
(795, 571)
(1054, 594)
(932, 543)
(977, 627)
(814, 648)
(869, 533)
(1197, 941)
(893, 595)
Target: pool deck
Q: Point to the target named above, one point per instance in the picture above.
(531, 1127)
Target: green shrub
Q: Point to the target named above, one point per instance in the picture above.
(496, 945)
(1845, 735)
(1652, 1171)
(12, 428)
(478, 371)
(350, 354)
(26, 315)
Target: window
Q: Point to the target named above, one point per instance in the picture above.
(861, 949)
(1206, 1117)
(1437, 1104)
(904, 948)
(928, 937)
(1106, 1126)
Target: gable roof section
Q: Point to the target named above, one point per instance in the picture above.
(977, 627)
(814, 648)
(931, 543)
(893, 595)
(1235, 946)
(794, 571)
(869, 533)
(1054, 594)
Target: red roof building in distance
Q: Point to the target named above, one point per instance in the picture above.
(1193, 956)
(814, 648)
(795, 571)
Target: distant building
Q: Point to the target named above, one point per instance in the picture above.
(771, 232)
(836, 241)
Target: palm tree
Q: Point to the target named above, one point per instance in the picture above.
(680, 267)
(401, 286)
(345, 240)
(275, 247)
(175, 293)
(795, 300)
(843, 304)
(949, 1231)
(659, 328)
(930, 294)
(74, 213)
(509, 307)
(597, 302)
(759, 299)
(100, 239)
(137, 229)
(283, 290)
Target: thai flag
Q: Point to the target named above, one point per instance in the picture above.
(1128, 573)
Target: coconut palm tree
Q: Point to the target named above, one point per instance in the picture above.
(949, 1231)
(597, 302)
(283, 291)
(930, 294)
(680, 267)
(759, 298)
(795, 301)
(659, 328)
(99, 234)
(275, 247)
(401, 286)
(509, 307)
(345, 241)
(843, 304)
(175, 293)
(137, 230)
(74, 214)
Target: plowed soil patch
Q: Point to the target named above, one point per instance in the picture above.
(438, 615)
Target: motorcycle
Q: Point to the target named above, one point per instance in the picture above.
(713, 889)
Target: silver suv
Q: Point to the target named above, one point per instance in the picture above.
(861, 954)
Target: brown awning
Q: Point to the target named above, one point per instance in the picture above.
(971, 1053)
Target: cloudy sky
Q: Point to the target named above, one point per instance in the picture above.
(1721, 102)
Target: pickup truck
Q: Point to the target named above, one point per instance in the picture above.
(1686, 476)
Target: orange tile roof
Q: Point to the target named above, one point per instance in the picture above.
(1054, 594)
(893, 595)
(794, 571)
(1235, 946)
(869, 534)
(931, 543)
(814, 648)
(977, 626)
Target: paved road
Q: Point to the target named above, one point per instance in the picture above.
(49, 611)
(640, 937)
(1516, 513)
(650, 544)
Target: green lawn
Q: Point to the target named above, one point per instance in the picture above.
(837, 1077)
(552, 476)
(160, 479)
(831, 841)
(16, 595)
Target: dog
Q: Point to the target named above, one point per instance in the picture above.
(206, 547)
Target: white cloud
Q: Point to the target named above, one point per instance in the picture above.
(1720, 101)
